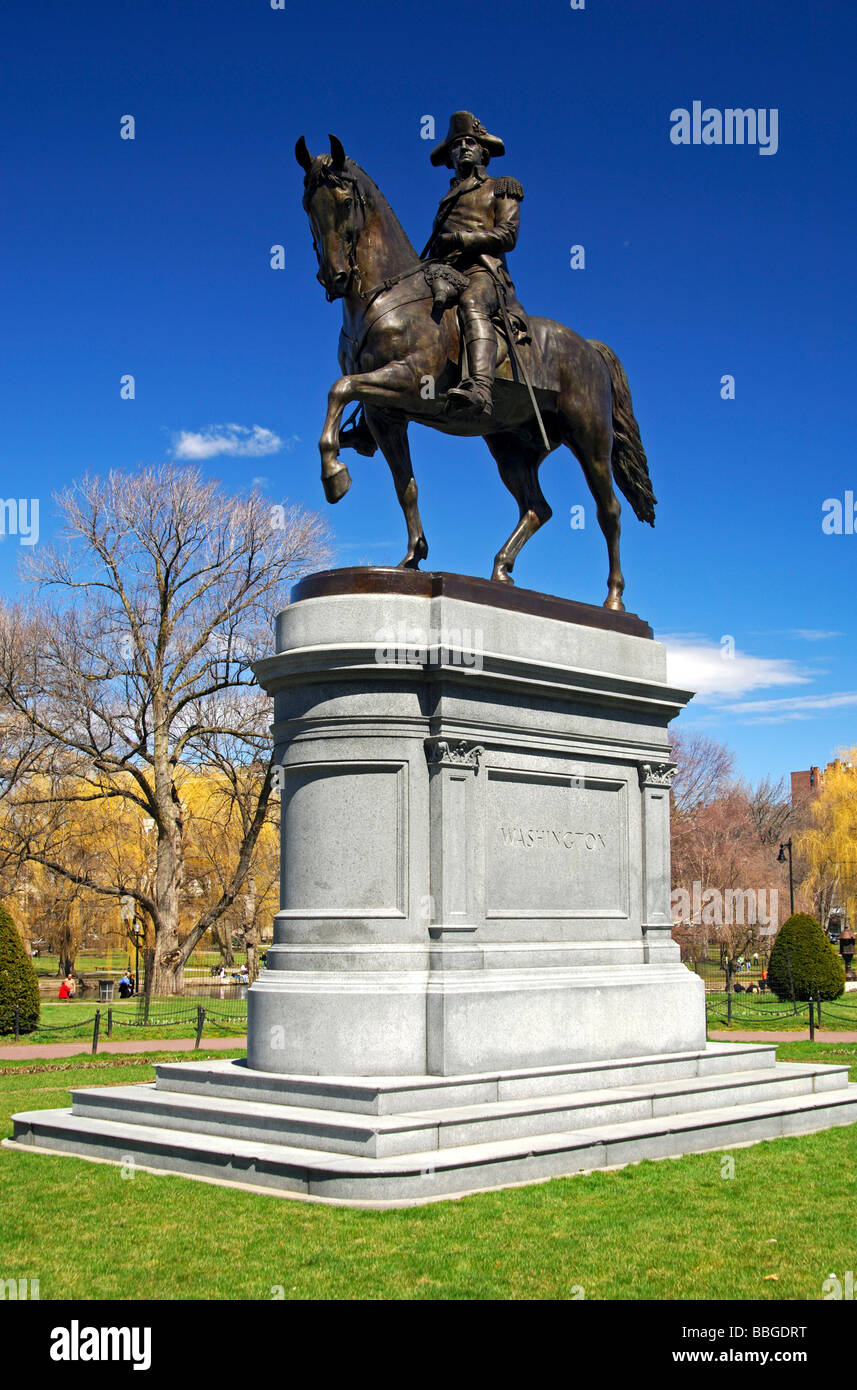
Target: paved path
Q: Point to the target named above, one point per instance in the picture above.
(762, 1035)
(27, 1051)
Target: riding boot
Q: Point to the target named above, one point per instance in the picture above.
(473, 394)
(356, 434)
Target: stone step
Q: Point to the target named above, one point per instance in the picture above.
(388, 1095)
(447, 1127)
(432, 1174)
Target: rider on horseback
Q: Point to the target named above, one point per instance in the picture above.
(476, 224)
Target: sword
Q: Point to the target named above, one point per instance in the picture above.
(517, 362)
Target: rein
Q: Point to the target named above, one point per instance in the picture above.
(368, 322)
(353, 231)
(352, 234)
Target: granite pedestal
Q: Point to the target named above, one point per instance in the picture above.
(473, 980)
(475, 835)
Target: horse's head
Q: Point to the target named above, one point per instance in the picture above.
(335, 203)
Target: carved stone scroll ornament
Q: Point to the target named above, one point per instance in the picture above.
(657, 774)
(440, 752)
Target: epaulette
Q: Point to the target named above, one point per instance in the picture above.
(508, 188)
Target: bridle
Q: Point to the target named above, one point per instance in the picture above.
(342, 179)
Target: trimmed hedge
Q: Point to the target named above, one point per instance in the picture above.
(816, 969)
(18, 983)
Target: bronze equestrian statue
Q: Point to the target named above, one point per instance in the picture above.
(415, 345)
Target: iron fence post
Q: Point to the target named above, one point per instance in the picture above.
(96, 1025)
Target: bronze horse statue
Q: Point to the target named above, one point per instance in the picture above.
(400, 353)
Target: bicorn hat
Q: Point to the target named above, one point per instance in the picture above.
(465, 123)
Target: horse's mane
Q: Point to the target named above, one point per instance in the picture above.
(323, 173)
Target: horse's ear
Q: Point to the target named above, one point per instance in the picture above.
(302, 155)
(337, 152)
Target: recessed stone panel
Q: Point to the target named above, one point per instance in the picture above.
(555, 849)
(344, 848)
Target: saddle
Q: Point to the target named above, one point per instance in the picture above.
(446, 285)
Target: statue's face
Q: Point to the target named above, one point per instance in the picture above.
(466, 153)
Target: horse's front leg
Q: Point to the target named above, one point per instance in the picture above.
(392, 385)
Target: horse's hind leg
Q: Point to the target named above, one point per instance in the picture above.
(392, 439)
(599, 477)
(518, 463)
(594, 454)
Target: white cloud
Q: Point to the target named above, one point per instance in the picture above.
(237, 440)
(712, 670)
(793, 707)
(802, 634)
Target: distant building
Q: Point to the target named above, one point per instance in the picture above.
(808, 785)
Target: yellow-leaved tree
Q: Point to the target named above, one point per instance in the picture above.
(828, 846)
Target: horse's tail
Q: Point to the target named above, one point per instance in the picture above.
(630, 468)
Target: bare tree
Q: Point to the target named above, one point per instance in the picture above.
(169, 588)
(723, 835)
(705, 769)
(771, 810)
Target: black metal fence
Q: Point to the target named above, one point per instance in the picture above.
(221, 1019)
(750, 971)
(731, 1009)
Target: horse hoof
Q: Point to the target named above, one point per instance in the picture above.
(413, 557)
(614, 602)
(501, 575)
(336, 483)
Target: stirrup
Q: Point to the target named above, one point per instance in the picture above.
(356, 434)
(469, 397)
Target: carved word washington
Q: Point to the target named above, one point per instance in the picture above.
(733, 126)
(547, 839)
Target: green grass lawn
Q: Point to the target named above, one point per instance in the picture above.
(103, 963)
(675, 1229)
(766, 1011)
(71, 1021)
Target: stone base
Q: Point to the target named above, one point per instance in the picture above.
(400, 1141)
(451, 1021)
(475, 833)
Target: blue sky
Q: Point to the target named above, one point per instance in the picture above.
(151, 257)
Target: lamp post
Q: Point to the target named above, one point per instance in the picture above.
(129, 917)
(781, 859)
(136, 929)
